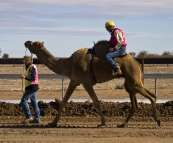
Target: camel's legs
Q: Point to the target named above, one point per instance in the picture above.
(143, 92)
(71, 88)
(89, 88)
(134, 107)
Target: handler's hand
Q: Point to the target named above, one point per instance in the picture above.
(22, 76)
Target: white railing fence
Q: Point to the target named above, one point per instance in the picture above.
(56, 76)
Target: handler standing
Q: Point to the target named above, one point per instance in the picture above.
(31, 88)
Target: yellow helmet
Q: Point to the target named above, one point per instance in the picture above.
(109, 23)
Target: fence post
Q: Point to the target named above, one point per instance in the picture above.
(143, 65)
(143, 69)
(62, 88)
(156, 86)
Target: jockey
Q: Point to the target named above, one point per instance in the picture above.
(118, 42)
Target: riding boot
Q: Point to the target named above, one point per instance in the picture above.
(116, 71)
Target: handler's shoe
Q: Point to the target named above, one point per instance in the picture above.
(27, 120)
(35, 121)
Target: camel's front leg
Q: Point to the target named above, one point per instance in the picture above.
(70, 89)
(89, 88)
(132, 111)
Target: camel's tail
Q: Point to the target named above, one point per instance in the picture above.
(150, 93)
(141, 75)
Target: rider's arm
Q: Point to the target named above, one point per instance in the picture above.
(119, 39)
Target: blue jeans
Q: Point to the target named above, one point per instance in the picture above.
(30, 94)
(109, 56)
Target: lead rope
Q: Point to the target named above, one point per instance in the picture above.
(31, 58)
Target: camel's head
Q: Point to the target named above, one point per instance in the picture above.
(34, 46)
(102, 47)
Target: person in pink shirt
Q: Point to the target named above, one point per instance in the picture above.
(118, 42)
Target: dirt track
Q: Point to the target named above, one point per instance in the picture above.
(84, 130)
(78, 123)
(85, 135)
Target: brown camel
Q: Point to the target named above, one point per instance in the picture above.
(86, 69)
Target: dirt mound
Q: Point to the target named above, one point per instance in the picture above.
(84, 109)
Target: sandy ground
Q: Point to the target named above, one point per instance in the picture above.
(84, 129)
(82, 135)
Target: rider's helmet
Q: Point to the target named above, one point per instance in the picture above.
(109, 23)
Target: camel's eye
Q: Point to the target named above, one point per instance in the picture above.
(35, 43)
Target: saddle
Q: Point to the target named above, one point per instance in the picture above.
(122, 55)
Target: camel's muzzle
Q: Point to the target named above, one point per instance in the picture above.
(27, 44)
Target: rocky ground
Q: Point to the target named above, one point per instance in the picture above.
(78, 122)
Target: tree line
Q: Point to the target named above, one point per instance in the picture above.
(5, 55)
(146, 54)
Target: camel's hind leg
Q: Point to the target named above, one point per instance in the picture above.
(71, 88)
(152, 98)
(89, 88)
(134, 107)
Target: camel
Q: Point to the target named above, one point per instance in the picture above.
(88, 70)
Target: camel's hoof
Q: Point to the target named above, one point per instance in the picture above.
(121, 126)
(101, 126)
(52, 124)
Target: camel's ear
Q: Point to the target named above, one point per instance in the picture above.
(43, 43)
(94, 43)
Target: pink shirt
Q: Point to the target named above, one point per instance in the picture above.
(113, 39)
(36, 75)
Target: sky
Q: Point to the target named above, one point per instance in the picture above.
(67, 25)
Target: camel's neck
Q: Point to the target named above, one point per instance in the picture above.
(57, 65)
